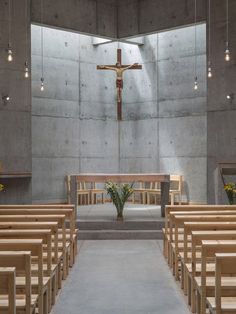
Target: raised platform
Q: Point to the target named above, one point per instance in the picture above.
(98, 222)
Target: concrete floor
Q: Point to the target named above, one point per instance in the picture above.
(120, 277)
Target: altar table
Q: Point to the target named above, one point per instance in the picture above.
(164, 179)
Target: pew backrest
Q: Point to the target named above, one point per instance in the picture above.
(21, 260)
(8, 287)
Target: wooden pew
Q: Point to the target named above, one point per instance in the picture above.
(54, 272)
(44, 219)
(68, 211)
(187, 208)
(46, 236)
(221, 304)
(8, 289)
(194, 269)
(25, 301)
(204, 284)
(178, 221)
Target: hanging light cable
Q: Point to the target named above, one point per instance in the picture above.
(9, 48)
(195, 44)
(209, 70)
(26, 70)
(227, 52)
(42, 61)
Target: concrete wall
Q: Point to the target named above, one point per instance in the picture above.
(15, 115)
(74, 123)
(221, 115)
(117, 18)
(149, 16)
(97, 17)
(182, 111)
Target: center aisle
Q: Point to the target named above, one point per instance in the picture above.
(120, 277)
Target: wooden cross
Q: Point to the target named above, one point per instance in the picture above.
(119, 68)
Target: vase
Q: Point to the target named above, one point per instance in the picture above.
(232, 201)
(120, 216)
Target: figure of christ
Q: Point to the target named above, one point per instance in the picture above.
(119, 69)
(119, 76)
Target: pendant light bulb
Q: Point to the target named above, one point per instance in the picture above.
(42, 84)
(195, 84)
(209, 74)
(227, 55)
(9, 54)
(26, 70)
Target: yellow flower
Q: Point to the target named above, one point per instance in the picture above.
(1, 187)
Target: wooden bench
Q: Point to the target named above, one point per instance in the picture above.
(194, 269)
(7, 290)
(54, 226)
(70, 218)
(25, 301)
(178, 221)
(205, 285)
(221, 303)
(49, 269)
(188, 209)
(60, 219)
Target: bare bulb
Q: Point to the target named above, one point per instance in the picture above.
(227, 55)
(9, 55)
(209, 74)
(42, 84)
(26, 70)
(195, 84)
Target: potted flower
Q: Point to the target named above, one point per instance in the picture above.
(119, 195)
(1, 187)
(230, 189)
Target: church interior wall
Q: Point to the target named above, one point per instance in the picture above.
(84, 135)
(182, 111)
(122, 21)
(15, 115)
(221, 112)
(96, 17)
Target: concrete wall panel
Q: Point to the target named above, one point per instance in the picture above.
(98, 138)
(55, 137)
(183, 136)
(139, 138)
(194, 176)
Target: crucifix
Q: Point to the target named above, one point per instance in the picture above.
(119, 68)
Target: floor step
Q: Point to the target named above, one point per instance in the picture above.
(119, 234)
(120, 225)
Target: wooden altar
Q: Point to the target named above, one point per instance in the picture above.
(164, 179)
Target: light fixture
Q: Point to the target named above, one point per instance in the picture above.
(5, 98)
(195, 84)
(9, 48)
(209, 70)
(195, 87)
(26, 70)
(42, 64)
(42, 84)
(9, 54)
(227, 51)
(230, 96)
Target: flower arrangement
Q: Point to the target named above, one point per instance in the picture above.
(119, 195)
(230, 189)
